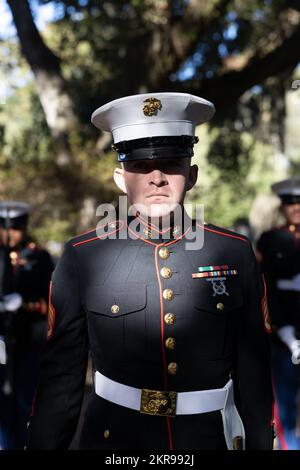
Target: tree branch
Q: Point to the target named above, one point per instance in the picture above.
(170, 46)
(33, 47)
(227, 88)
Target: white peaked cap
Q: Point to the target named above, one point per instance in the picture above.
(152, 115)
(13, 209)
(288, 187)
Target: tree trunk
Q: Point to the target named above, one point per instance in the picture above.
(51, 87)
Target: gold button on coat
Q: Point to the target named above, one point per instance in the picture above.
(170, 343)
(164, 253)
(115, 309)
(166, 272)
(170, 318)
(168, 294)
(172, 368)
(106, 433)
(220, 306)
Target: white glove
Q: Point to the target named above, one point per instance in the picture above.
(288, 337)
(2, 351)
(11, 302)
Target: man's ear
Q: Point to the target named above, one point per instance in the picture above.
(193, 175)
(119, 179)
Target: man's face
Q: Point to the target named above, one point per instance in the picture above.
(292, 213)
(158, 185)
(12, 237)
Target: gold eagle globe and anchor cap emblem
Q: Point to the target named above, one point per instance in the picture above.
(152, 106)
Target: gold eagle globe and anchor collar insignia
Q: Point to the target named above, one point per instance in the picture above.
(160, 403)
(152, 106)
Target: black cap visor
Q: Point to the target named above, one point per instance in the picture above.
(290, 198)
(155, 148)
(17, 223)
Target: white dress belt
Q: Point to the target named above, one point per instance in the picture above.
(188, 403)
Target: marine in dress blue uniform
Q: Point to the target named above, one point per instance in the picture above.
(6, 288)
(32, 268)
(279, 253)
(178, 337)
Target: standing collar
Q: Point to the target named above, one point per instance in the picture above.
(143, 228)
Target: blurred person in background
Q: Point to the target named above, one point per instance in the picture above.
(31, 268)
(278, 251)
(6, 287)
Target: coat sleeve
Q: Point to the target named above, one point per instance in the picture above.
(60, 390)
(253, 359)
(46, 269)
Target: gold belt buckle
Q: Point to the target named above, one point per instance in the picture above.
(155, 402)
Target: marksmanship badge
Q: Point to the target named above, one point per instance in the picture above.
(219, 286)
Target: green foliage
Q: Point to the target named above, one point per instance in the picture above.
(114, 48)
(225, 189)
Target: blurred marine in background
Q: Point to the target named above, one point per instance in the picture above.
(6, 287)
(278, 251)
(26, 329)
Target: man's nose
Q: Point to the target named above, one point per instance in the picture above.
(158, 178)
